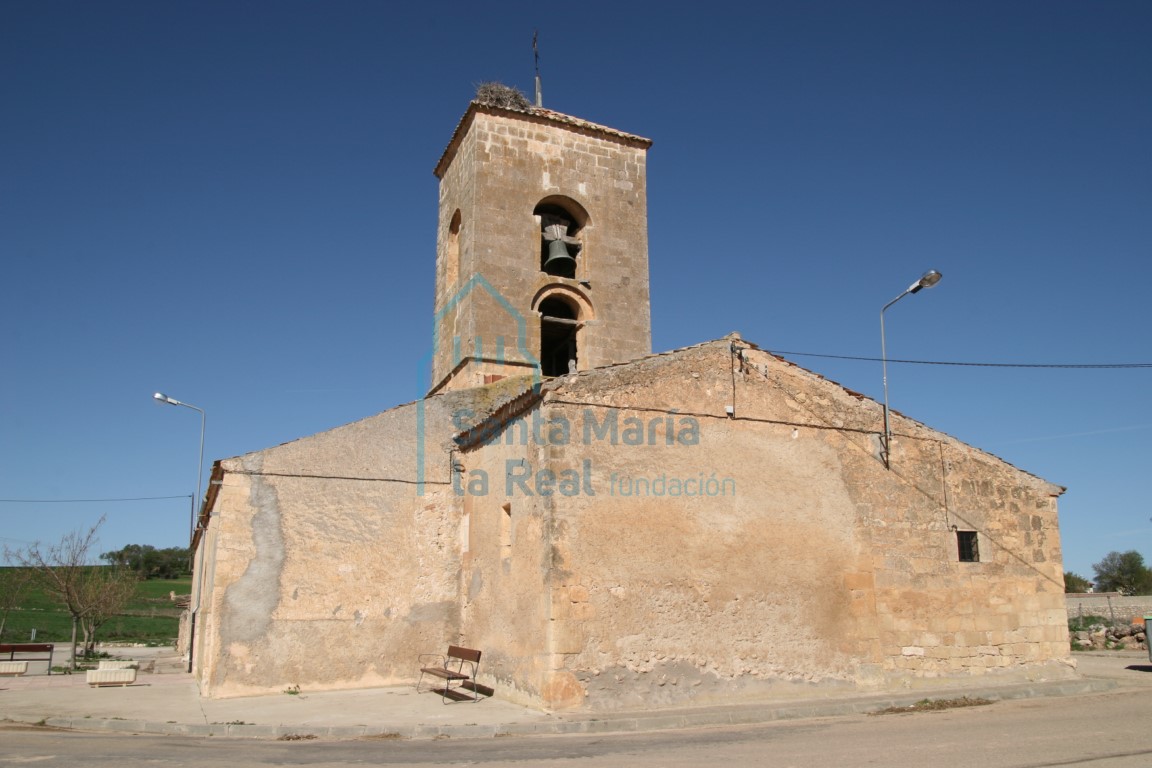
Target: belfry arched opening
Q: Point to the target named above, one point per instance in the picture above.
(559, 324)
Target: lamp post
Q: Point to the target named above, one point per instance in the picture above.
(927, 280)
(162, 398)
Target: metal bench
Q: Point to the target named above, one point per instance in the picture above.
(457, 669)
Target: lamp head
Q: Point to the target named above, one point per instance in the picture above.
(160, 397)
(927, 280)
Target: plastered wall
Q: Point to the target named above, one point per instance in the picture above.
(620, 539)
(788, 561)
(331, 561)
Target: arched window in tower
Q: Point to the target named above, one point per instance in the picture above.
(559, 322)
(560, 245)
(452, 253)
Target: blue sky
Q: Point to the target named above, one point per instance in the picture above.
(233, 203)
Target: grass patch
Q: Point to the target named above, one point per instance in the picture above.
(1084, 623)
(934, 705)
(150, 617)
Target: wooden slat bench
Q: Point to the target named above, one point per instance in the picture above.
(457, 669)
(28, 652)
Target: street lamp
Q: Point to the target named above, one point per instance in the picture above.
(162, 398)
(927, 280)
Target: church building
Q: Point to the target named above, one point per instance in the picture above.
(613, 528)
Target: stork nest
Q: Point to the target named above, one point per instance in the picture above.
(500, 95)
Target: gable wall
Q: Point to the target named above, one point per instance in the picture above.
(324, 567)
(806, 568)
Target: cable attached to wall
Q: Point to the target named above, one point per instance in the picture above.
(944, 485)
(737, 353)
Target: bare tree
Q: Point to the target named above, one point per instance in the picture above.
(104, 590)
(13, 585)
(63, 571)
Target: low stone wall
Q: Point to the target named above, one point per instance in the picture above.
(1124, 637)
(1110, 605)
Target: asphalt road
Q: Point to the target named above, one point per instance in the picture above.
(1110, 730)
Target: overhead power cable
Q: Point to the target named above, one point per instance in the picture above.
(91, 501)
(970, 365)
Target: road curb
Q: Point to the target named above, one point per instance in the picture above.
(746, 714)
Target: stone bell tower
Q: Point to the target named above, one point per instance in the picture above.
(542, 247)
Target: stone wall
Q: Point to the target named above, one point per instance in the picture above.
(789, 562)
(1122, 608)
(696, 527)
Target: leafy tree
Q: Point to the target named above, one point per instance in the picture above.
(1123, 572)
(149, 562)
(63, 572)
(1074, 582)
(13, 585)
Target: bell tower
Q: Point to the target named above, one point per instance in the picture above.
(542, 247)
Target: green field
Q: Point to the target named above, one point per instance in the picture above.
(151, 617)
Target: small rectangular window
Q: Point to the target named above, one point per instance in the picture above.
(968, 546)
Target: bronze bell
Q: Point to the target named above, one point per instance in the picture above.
(559, 261)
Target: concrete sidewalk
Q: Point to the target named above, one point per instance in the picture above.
(167, 701)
